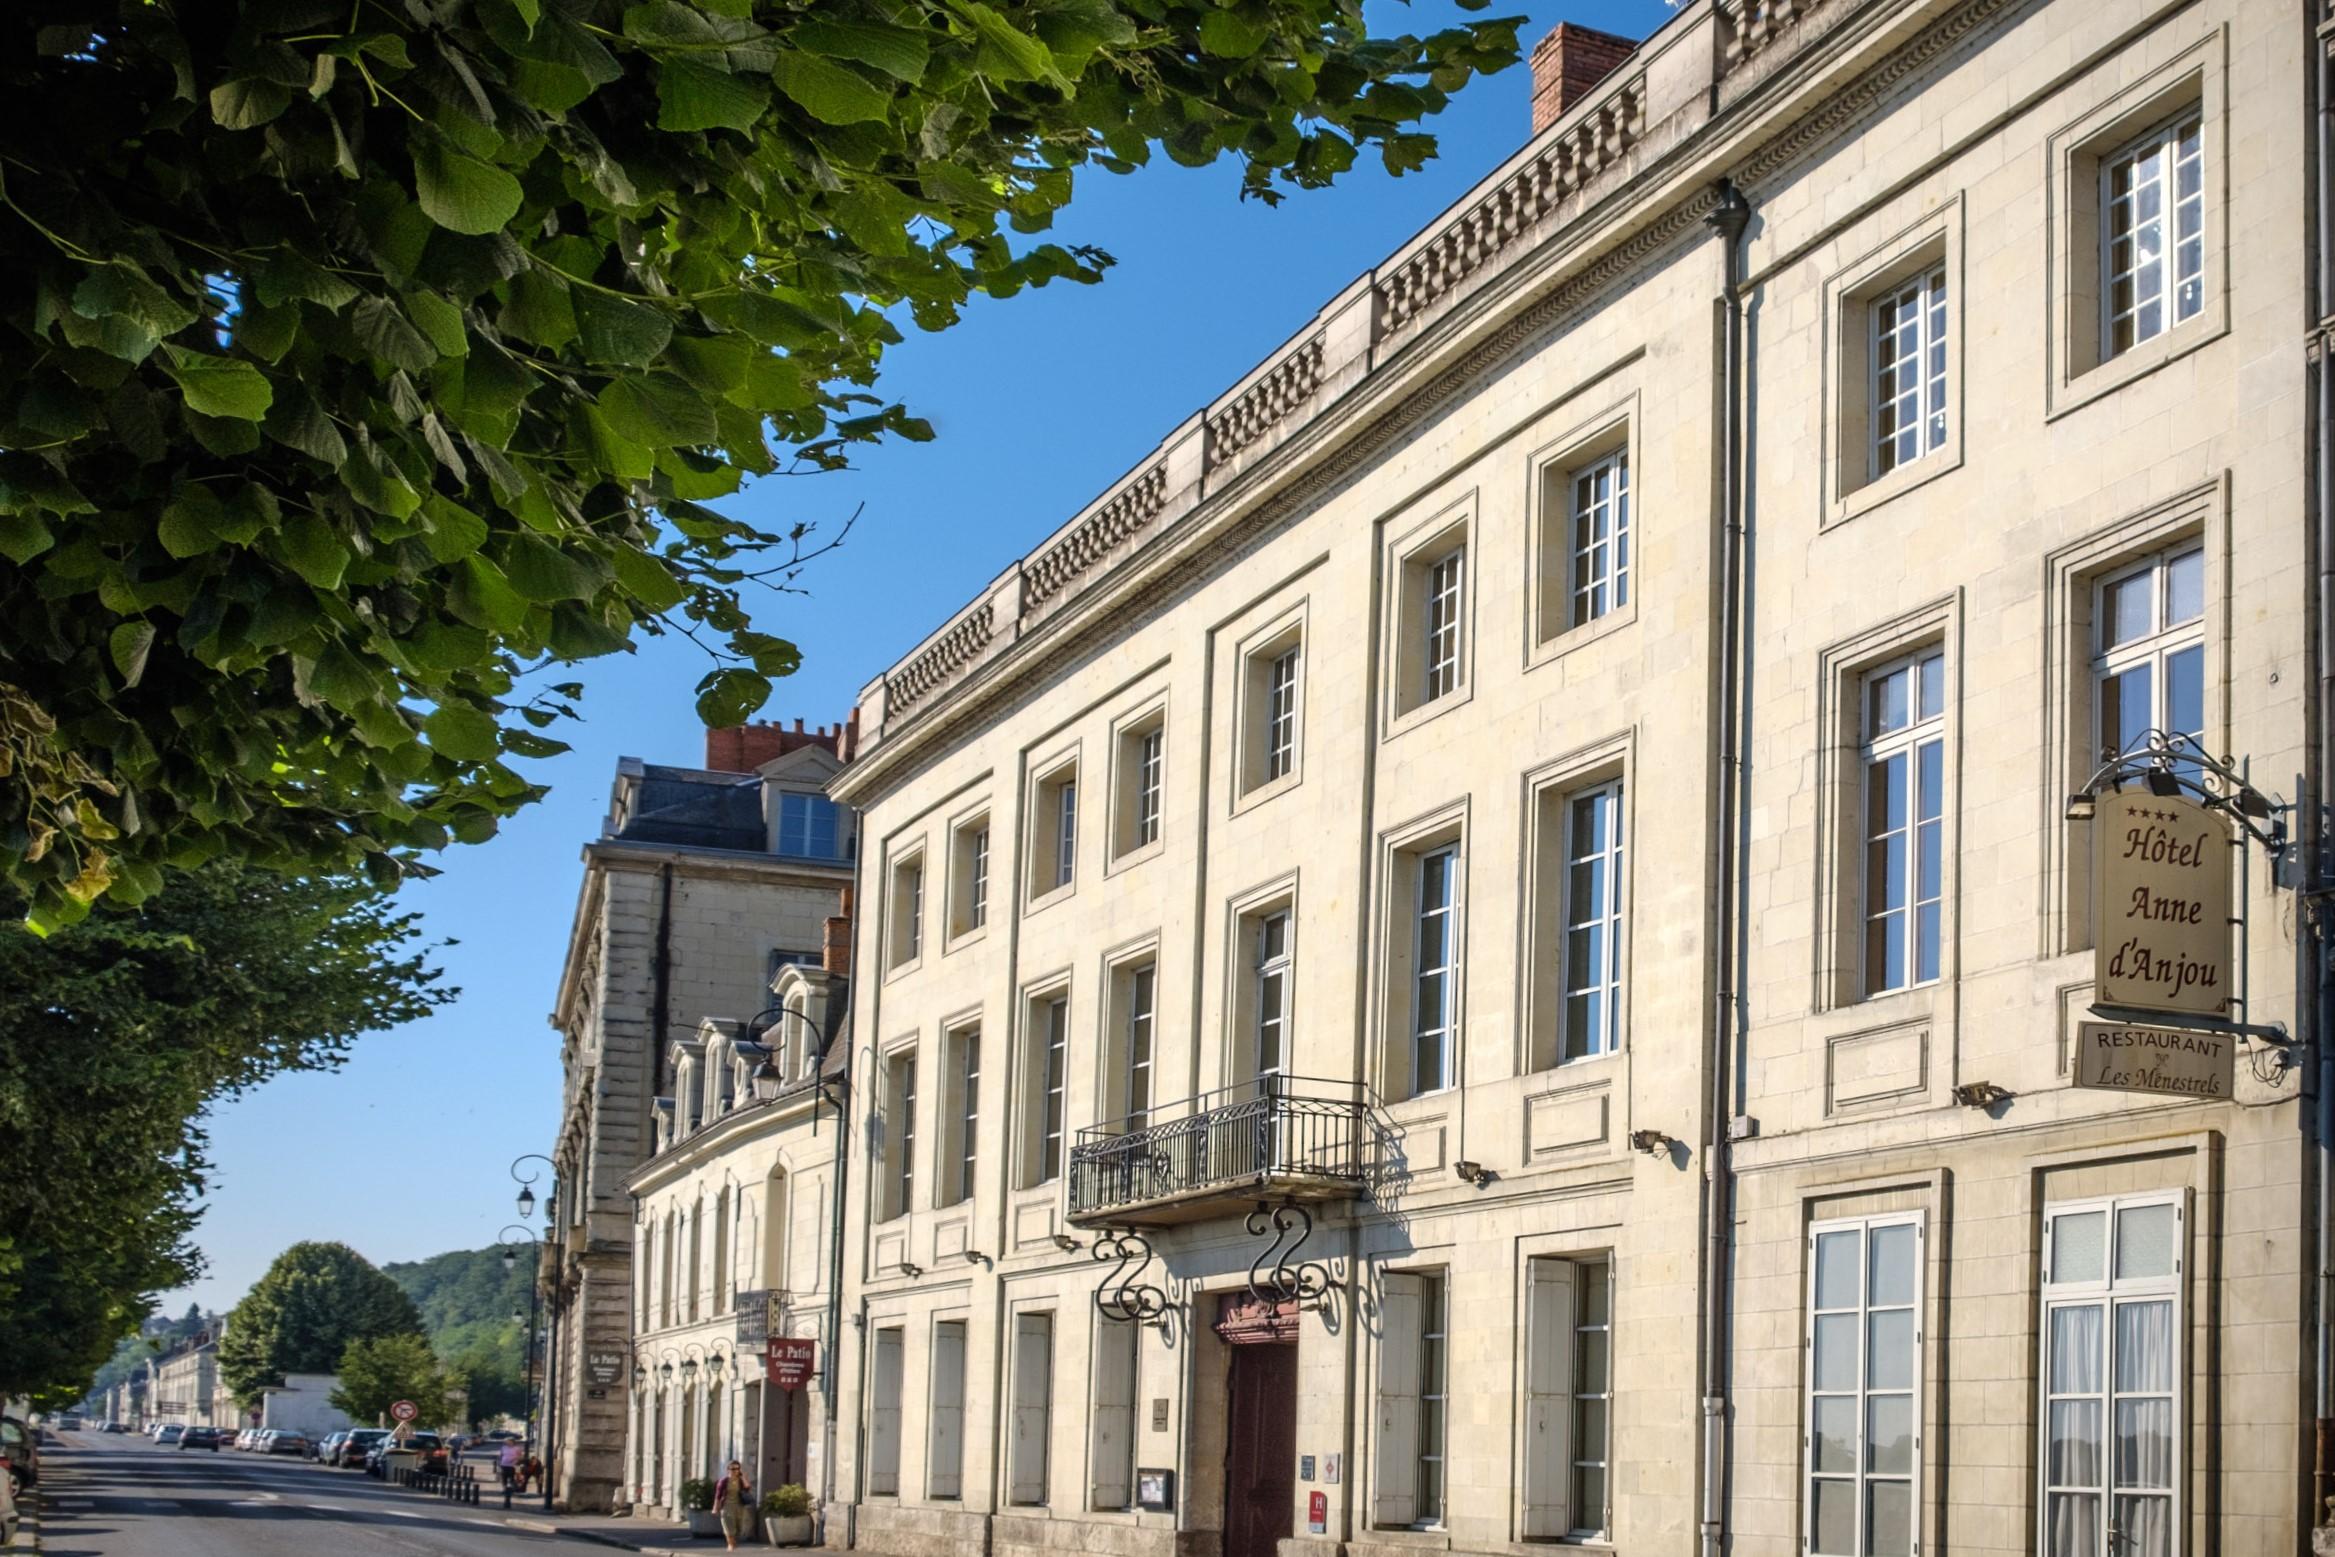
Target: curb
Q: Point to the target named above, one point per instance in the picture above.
(596, 1537)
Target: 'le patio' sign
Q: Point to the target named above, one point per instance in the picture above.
(2163, 924)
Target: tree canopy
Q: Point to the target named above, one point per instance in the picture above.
(115, 1034)
(363, 360)
(301, 1316)
(378, 1372)
(467, 1299)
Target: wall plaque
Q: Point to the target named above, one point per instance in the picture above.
(605, 1368)
(2114, 1058)
(2163, 919)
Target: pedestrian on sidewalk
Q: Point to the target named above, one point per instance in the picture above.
(532, 1473)
(733, 1504)
(507, 1463)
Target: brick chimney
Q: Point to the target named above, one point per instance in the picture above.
(746, 747)
(1567, 63)
(835, 945)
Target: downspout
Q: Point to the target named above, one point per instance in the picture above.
(1727, 219)
(661, 975)
(2317, 882)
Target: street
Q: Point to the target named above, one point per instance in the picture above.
(110, 1495)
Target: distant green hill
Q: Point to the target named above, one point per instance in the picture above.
(467, 1299)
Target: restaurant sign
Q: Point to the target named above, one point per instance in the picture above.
(754, 1307)
(2163, 922)
(792, 1362)
(605, 1368)
(2115, 1058)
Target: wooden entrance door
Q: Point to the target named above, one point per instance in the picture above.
(1260, 1471)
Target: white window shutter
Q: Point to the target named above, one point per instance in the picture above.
(1548, 1399)
(1033, 1388)
(1397, 1454)
(1114, 1413)
(884, 1416)
(948, 1410)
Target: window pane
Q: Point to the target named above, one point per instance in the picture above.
(2185, 587)
(1889, 1519)
(1889, 1360)
(1588, 1431)
(2144, 1346)
(1589, 1497)
(1889, 1435)
(2128, 609)
(2073, 1457)
(2144, 1242)
(2144, 1443)
(2079, 1248)
(1888, 703)
(1591, 1372)
(1835, 1519)
(2075, 1525)
(2144, 1527)
(1933, 672)
(1833, 1422)
(1836, 1270)
(2185, 690)
(1593, 1305)
(1836, 1351)
(1891, 1264)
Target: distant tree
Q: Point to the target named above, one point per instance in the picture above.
(375, 1374)
(467, 1298)
(301, 1316)
(357, 361)
(116, 1034)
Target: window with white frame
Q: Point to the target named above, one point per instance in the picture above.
(1054, 833)
(1568, 1398)
(907, 928)
(1592, 919)
(1435, 949)
(963, 1046)
(1139, 783)
(1150, 752)
(1049, 1053)
(2152, 234)
(969, 876)
(1413, 1388)
(2149, 650)
(1111, 1456)
(1863, 1423)
(884, 1378)
(2110, 1377)
(1908, 409)
(1141, 996)
(900, 1086)
(1600, 541)
(811, 827)
(1269, 993)
(1904, 767)
(1032, 1409)
(978, 878)
(1439, 624)
(944, 1457)
(1280, 713)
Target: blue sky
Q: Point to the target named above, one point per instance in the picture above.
(1039, 402)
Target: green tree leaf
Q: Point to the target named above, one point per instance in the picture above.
(462, 732)
(831, 93)
(219, 386)
(693, 96)
(461, 193)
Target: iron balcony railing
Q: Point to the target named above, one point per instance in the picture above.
(1291, 1134)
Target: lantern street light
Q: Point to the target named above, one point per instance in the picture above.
(511, 1238)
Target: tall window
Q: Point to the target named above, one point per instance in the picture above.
(968, 904)
(1053, 831)
(945, 1454)
(1568, 1396)
(1593, 921)
(1864, 1372)
(721, 1252)
(1280, 711)
(1111, 1420)
(1033, 1408)
(1050, 1032)
(1446, 576)
(958, 1180)
(977, 882)
(1412, 1395)
(1435, 944)
(810, 827)
(907, 909)
(696, 1256)
(902, 1081)
(1601, 537)
(1140, 999)
(1269, 997)
(1149, 750)
(885, 1369)
(1909, 371)
(2111, 1378)
(1065, 832)
(2152, 234)
(1904, 827)
(2149, 649)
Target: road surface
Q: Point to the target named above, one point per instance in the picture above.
(117, 1495)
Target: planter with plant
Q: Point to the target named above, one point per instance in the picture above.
(697, 1503)
(786, 1515)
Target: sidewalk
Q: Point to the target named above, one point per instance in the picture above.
(654, 1536)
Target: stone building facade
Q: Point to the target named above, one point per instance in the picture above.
(736, 1244)
(702, 885)
(1489, 949)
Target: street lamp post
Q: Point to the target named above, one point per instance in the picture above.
(510, 1245)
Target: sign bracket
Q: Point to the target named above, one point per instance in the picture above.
(2273, 1033)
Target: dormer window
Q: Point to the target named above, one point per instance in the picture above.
(810, 827)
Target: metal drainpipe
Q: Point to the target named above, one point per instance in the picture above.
(2314, 831)
(1727, 219)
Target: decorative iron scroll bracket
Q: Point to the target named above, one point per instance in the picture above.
(2171, 763)
(1122, 1296)
(1306, 1282)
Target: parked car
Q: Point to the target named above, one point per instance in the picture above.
(8, 1516)
(115, 1427)
(247, 1439)
(171, 1433)
(318, 1448)
(286, 1441)
(428, 1448)
(355, 1445)
(20, 1446)
(503, 1435)
(68, 1424)
(201, 1438)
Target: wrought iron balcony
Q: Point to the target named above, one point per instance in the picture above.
(1281, 1137)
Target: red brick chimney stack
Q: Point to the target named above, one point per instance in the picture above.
(1567, 63)
(835, 946)
(746, 747)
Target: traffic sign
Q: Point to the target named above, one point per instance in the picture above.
(405, 1411)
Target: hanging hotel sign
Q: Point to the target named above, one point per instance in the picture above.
(792, 1361)
(754, 1307)
(2116, 1058)
(2163, 924)
(604, 1368)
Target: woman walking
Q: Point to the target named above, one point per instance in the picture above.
(733, 1504)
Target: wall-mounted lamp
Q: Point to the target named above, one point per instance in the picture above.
(688, 1368)
(1652, 1142)
(908, 1270)
(974, 1257)
(1981, 1094)
(1065, 1242)
(2081, 807)
(1471, 1172)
